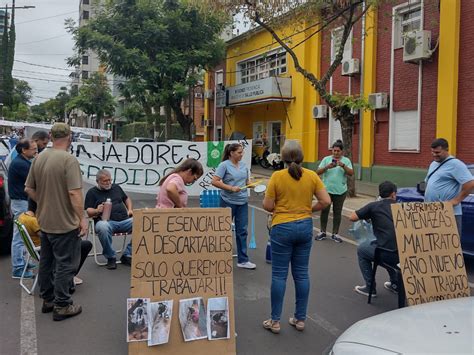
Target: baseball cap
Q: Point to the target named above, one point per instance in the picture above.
(60, 130)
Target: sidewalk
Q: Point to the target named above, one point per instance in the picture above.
(351, 204)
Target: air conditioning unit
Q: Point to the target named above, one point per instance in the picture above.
(198, 95)
(417, 46)
(208, 123)
(378, 100)
(320, 111)
(208, 94)
(350, 67)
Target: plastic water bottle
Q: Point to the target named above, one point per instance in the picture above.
(215, 198)
(268, 253)
(107, 209)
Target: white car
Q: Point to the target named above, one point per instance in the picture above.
(443, 327)
(82, 137)
(141, 139)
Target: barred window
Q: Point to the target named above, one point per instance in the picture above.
(270, 64)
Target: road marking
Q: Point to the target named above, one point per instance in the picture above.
(28, 343)
(323, 323)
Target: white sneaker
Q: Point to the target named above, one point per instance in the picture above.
(77, 281)
(247, 265)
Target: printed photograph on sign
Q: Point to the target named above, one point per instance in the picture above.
(137, 319)
(218, 318)
(192, 317)
(159, 322)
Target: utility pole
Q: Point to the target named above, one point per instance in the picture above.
(2, 76)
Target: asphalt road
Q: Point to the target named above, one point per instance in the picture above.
(101, 328)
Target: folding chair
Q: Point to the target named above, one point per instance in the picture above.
(396, 269)
(33, 253)
(95, 240)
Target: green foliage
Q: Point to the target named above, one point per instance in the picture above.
(94, 97)
(157, 44)
(353, 102)
(145, 129)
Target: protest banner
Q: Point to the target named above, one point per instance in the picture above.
(183, 255)
(138, 167)
(429, 247)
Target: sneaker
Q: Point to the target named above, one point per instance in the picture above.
(77, 281)
(336, 238)
(32, 266)
(391, 287)
(111, 264)
(126, 260)
(320, 236)
(17, 274)
(247, 265)
(61, 313)
(47, 307)
(364, 290)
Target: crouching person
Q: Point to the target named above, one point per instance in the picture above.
(120, 220)
(380, 213)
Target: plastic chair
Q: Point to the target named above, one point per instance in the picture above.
(94, 252)
(396, 269)
(32, 254)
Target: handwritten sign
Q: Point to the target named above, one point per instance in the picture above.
(139, 167)
(430, 253)
(180, 254)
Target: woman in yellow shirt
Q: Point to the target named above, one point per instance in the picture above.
(289, 197)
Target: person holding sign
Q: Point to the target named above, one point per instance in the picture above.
(380, 213)
(172, 193)
(448, 179)
(334, 170)
(231, 175)
(289, 197)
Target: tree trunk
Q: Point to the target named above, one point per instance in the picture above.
(183, 120)
(168, 122)
(347, 128)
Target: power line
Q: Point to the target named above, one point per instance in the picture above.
(43, 40)
(38, 72)
(43, 66)
(45, 18)
(43, 54)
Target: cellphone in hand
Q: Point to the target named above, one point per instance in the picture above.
(334, 161)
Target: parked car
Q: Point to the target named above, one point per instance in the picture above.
(82, 137)
(6, 221)
(141, 139)
(410, 194)
(443, 327)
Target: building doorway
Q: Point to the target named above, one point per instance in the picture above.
(275, 139)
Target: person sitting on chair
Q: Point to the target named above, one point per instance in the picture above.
(120, 217)
(380, 213)
(29, 220)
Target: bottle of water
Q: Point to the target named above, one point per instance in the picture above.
(107, 209)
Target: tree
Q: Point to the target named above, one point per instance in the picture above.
(21, 92)
(94, 98)
(272, 15)
(156, 43)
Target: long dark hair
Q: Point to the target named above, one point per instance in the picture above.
(292, 155)
(190, 163)
(229, 148)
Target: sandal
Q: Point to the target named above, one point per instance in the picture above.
(298, 324)
(271, 325)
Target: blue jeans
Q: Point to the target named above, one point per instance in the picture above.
(18, 248)
(366, 253)
(240, 214)
(291, 243)
(105, 229)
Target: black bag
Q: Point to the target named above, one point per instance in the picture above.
(421, 186)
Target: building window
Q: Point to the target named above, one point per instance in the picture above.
(404, 131)
(85, 15)
(85, 74)
(270, 64)
(406, 19)
(85, 59)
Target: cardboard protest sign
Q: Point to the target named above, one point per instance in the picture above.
(184, 255)
(430, 253)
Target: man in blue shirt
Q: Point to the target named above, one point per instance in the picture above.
(448, 179)
(17, 173)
